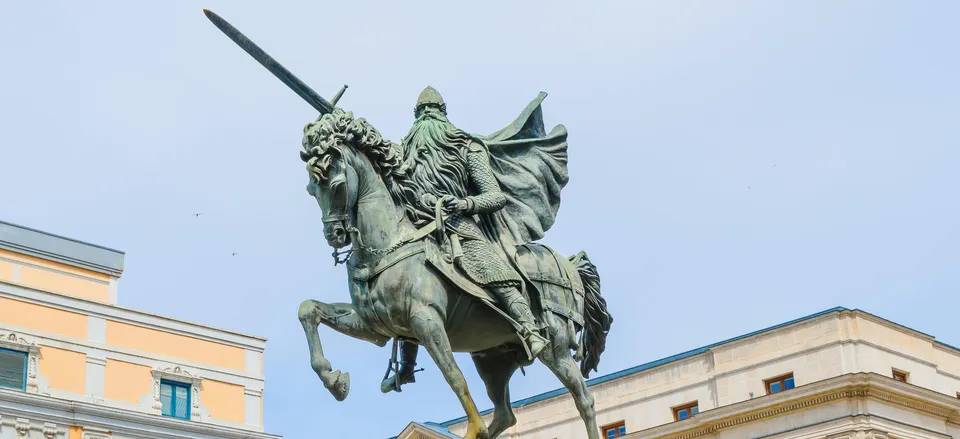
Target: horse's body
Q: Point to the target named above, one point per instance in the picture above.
(400, 294)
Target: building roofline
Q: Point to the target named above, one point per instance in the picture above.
(684, 355)
(946, 346)
(69, 251)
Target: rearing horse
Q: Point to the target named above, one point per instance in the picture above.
(399, 289)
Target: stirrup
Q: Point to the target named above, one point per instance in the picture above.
(398, 381)
(395, 366)
(528, 338)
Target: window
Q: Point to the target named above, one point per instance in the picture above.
(685, 411)
(615, 430)
(779, 384)
(900, 375)
(175, 399)
(13, 369)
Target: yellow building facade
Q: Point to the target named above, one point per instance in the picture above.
(74, 365)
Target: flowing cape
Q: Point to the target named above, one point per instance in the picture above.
(531, 167)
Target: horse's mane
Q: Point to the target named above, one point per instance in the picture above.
(323, 140)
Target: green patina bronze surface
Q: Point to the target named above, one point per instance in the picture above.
(438, 233)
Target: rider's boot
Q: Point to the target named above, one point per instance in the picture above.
(407, 360)
(519, 310)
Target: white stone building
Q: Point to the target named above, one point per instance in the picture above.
(837, 374)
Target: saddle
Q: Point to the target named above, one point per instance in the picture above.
(440, 257)
(553, 285)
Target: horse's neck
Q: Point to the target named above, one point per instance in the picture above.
(380, 222)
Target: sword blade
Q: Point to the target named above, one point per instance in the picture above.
(284, 75)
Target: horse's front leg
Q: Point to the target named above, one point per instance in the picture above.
(342, 318)
(428, 326)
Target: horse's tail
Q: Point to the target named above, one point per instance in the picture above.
(597, 320)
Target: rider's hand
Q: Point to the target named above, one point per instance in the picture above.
(429, 199)
(453, 204)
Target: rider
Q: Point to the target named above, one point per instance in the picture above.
(442, 162)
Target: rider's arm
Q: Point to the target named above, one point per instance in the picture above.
(489, 197)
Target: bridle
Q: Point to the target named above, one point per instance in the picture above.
(436, 226)
(342, 256)
(337, 253)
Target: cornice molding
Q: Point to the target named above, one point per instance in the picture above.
(96, 350)
(950, 415)
(132, 316)
(118, 421)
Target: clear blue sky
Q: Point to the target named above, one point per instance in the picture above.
(733, 164)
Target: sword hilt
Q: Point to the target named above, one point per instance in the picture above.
(336, 97)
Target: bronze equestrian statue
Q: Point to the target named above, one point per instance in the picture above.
(441, 164)
(441, 230)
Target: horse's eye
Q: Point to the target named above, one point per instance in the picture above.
(337, 182)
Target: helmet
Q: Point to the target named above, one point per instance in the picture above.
(430, 96)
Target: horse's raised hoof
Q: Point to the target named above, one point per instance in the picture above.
(340, 385)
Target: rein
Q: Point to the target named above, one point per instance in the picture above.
(435, 226)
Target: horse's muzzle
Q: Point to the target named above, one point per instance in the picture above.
(336, 235)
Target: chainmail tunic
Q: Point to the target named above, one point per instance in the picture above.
(481, 261)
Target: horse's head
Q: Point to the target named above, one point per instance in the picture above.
(330, 148)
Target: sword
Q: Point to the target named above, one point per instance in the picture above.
(284, 75)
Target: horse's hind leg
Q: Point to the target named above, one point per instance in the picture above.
(342, 318)
(558, 359)
(495, 368)
(429, 329)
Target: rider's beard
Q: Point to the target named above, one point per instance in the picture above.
(434, 153)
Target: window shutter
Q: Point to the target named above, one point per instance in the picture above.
(182, 404)
(166, 399)
(13, 366)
